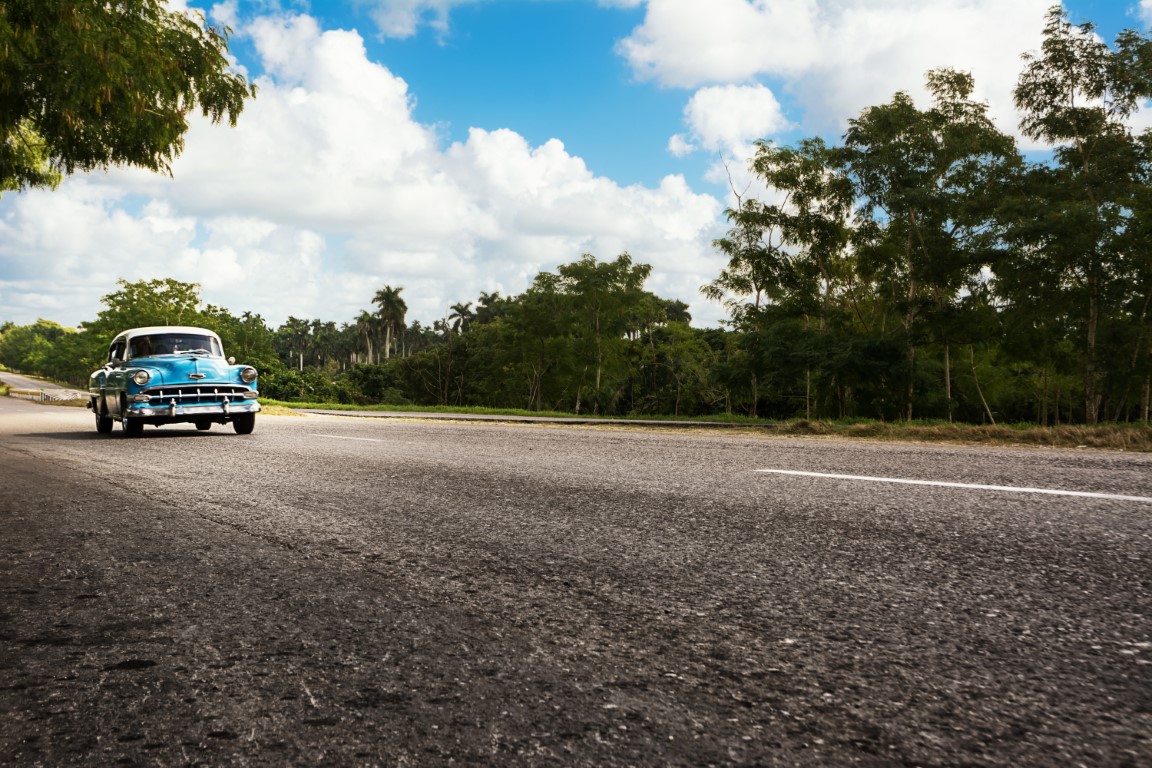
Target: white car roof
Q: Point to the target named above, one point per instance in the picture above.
(151, 329)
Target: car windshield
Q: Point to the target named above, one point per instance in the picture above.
(174, 344)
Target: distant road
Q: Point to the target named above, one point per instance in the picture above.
(27, 382)
(342, 591)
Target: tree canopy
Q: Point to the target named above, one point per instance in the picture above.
(919, 268)
(87, 84)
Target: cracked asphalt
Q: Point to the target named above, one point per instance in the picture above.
(339, 591)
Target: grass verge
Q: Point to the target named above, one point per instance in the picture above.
(275, 409)
(1122, 437)
(424, 409)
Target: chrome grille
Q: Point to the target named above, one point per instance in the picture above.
(192, 394)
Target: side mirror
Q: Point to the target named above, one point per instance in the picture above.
(231, 361)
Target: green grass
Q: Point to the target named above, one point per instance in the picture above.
(423, 409)
(480, 411)
(1125, 437)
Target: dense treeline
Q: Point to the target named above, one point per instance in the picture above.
(922, 268)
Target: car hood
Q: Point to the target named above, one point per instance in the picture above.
(187, 369)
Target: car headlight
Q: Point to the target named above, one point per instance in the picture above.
(248, 375)
(141, 377)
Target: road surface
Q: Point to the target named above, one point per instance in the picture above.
(20, 381)
(339, 591)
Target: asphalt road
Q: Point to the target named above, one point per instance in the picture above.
(338, 591)
(26, 382)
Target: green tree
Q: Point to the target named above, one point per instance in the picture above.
(751, 279)
(461, 317)
(756, 258)
(1137, 245)
(601, 295)
(1076, 95)
(924, 178)
(295, 339)
(367, 330)
(490, 306)
(325, 344)
(677, 363)
(540, 350)
(247, 337)
(812, 219)
(391, 314)
(148, 302)
(86, 84)
(24, 347)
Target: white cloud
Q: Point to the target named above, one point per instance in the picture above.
(680, 146)
(402, 18)
(328, 189)
(686, 43)
(731, 117)
(837, 57)
(726, 121)
(226, 13)
(1144, 10)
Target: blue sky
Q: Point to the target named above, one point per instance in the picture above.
(546, 70)
(458, 146)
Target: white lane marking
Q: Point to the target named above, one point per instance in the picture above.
(938, 483)
(342, 437)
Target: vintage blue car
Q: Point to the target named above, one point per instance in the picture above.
(172, 374)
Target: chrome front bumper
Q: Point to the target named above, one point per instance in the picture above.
(172, 409)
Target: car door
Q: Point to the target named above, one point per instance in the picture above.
(115, 378)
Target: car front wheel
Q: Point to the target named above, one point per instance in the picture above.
(131, 427)
(244, 423)
(103, 423)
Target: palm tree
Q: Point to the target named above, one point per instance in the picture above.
(391, 313)
(489, 307)
(324, 339)
(345, 345)
(297, 333)
(250, 334)
(366, 326)
(461, 316)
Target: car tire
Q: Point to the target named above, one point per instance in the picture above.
(104, 422)
(244, 423)
(131, 427)
(203, 426)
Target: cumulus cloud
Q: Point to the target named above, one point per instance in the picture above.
(226, 13)
(326, 190)
(402, 18)
(686, 43)
(726, 121)
(680, 146)
(729, 118)
(836, 57)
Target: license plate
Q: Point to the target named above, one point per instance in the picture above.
(182, 409)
